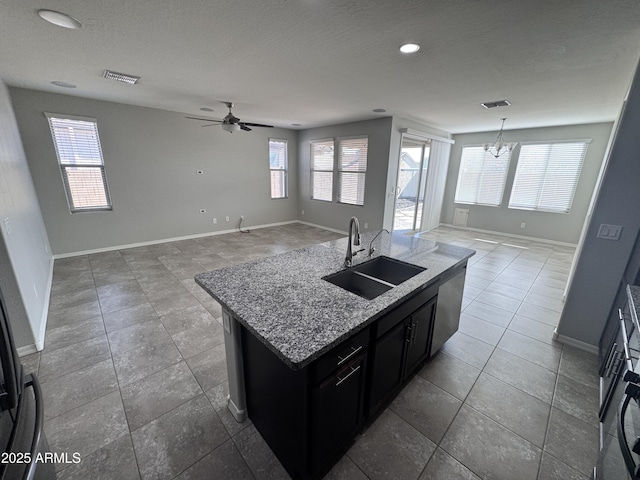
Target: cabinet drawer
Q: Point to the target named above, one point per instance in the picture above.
(340, 356)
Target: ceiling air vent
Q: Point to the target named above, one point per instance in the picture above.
(121, 77)
(496, 103)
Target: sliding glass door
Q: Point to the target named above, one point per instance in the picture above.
(411, 184)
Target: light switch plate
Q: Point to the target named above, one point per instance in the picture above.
(609, 232)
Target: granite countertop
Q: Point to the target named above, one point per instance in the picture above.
(283, 300)
(633, 294)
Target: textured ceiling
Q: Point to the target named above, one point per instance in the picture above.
(321, 62)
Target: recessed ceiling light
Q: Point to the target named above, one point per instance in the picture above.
(59, 19)
(410, 48)
(379, 110)
(206, 109)
(58, 83)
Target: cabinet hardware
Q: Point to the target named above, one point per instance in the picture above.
(354, 350)
(353, 370)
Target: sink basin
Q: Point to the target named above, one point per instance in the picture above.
(389, 270)
(374, 277)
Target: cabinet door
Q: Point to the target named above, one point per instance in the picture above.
(336, 411)
(387, 365)
(419, 335)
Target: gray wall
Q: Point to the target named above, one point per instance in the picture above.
(601, 264)
(551, 226)
(336, 215)
(25, 258)
(151, 157)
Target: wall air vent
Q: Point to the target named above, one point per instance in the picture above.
(496, 103)
(121, 77)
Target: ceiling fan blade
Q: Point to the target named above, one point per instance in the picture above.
(204, 119)
(257, 125)
(244, 127)
(210, 125)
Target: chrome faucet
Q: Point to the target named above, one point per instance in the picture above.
(353, 237)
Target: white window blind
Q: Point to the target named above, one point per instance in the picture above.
(322, 163)
(80, 159)
(352, 170)
(481, 177)
(278, 164)
(547, 176)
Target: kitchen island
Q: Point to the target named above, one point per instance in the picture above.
(316, 363)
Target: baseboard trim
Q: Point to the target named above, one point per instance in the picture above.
(334, 230)
(511, 235)
(587, 347)
(173, 239)
(27, 350)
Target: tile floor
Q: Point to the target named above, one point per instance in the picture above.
(134, 375)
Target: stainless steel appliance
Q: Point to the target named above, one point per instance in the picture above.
(619, 457)
(23, 446)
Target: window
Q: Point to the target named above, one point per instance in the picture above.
(80, 158)
(352, 169)
(547, 176)
(482, 177)
(322, 170)
(279, 168)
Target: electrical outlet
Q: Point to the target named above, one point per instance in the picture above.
(242, 217)
(366, 225)
(215, 220)
(522, 225)
(202, 210)
(226, 218)
(302, 212)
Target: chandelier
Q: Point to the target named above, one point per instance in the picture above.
(499, 146)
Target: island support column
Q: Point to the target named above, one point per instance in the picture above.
(236, 403)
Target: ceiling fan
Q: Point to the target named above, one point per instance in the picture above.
(230, 123)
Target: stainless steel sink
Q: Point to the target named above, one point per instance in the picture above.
(373, 278)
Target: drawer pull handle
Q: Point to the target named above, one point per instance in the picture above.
(354, 350)
(353, 370)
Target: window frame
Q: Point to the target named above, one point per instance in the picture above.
(544, 179)
(486, 157)
(313, 170)
(285, 170)
(66, 166)
(341, 171)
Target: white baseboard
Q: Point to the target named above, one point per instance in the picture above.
(323, 227)
(174, 239)
(511, 235)
(587, 347)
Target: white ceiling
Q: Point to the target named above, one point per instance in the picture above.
(322, 62)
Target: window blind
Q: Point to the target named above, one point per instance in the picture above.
(278, 164)
(81, 164)
(547, 176)
(482, 177)
(322, 163)
(352, 169)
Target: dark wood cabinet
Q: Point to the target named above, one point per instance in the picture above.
(336, 412)
(419, 335)
(402, 344)
(310, 417)
(387, 366)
